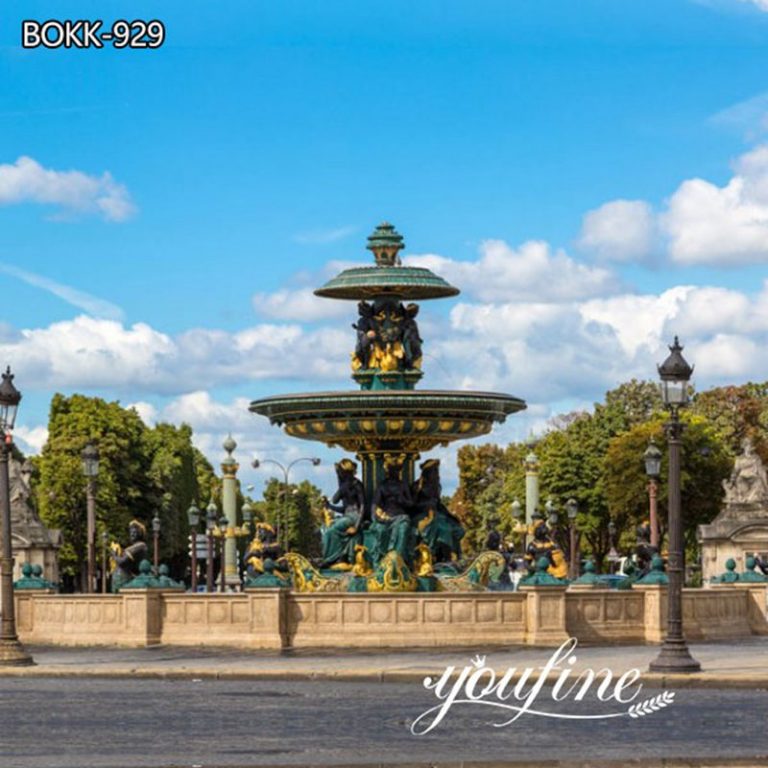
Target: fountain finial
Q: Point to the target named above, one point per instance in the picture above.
(386, 242)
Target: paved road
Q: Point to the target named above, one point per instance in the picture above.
(84, 723)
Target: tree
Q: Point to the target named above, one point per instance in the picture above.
(737, 412)
(121, 486)
(298, 512)
(705, 464)
(142, 472)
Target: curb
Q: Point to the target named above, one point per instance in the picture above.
(361, 675)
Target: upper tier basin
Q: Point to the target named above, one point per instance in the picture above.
(414, 421)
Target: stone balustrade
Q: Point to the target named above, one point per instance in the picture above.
(277, 619)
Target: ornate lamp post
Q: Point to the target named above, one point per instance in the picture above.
(552, 515)
(90, 457)
(652, 458)
(613, 555)
(675, 374)
(156, 541)
(12, 652)
(222, 532)
(104, 542)
(193, 518)
(282, 525)
(572, 509)
(229, 534)
(210, 525)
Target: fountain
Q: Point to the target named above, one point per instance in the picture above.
(387, 422)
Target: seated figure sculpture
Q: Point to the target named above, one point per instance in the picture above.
(263, 547)
(126, 561)
(543, 546)
(438, 527)
(644, 550)
(392, 527)
(748, 483)
(343, 533)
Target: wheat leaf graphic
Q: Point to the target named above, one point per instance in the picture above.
(654, 704)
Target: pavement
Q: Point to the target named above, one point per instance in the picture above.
(742, 664)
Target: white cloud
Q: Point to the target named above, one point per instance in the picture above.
(701, 223)
(324, 236)
(32, 439)
(622, 230)
(147, 412)
(300, 305)
(761, 4)
(85, 301)
(503, 273)
(212, 421)
(26, 181)
(728, 225)
(90, 353)
(749, 116)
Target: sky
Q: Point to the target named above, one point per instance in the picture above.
(593, 176)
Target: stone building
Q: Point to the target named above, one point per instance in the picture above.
(31, 541)
(741, 528)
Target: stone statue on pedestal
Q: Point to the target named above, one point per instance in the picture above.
(748, 483)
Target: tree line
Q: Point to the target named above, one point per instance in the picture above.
(596, 458)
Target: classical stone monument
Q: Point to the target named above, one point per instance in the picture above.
(32, 542)
(389, 530)
(741, 528)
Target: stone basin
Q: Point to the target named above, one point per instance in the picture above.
(406, 420)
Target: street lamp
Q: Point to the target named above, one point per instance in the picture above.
(572, 509)
(256, 463)
(675, 374)
(156, 541)
(104, 542)
(193, 518)
(613, 555)
(90, 457)
(210, 525)
(12, 652)
(552, 516)
(222, 530)
(652, 458)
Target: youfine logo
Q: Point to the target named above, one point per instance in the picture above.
(525, 692)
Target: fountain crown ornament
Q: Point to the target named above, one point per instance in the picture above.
(386, 242)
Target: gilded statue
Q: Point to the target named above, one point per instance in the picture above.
(126, 561)
(263, 547)
(543, 546)
(392, 525)
(437, 525)
(343, 533)
(387, 336)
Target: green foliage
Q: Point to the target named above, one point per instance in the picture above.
(737, 412)
(298, 513)
(482, 499)
(597, 459)
(142, 471)
(705, 464)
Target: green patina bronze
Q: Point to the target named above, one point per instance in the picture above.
(540, 578)
(589, 576)
(656, 575)
(749, 574)
(388, 426)
(730, 576)
(145, 579)
(32, 578)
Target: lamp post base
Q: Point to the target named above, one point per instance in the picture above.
(674, 658)
(13, 654)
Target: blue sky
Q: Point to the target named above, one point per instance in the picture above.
(592, 175)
